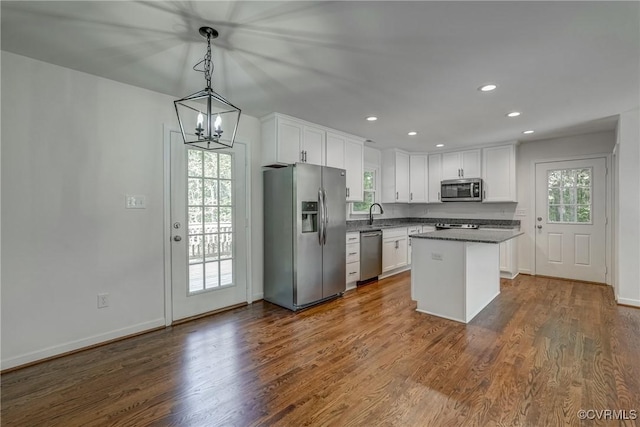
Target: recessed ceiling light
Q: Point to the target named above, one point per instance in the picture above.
(412, 133)
(487, 87)
(372, 118)
(439, 145)
(514, 114)
(526, 132)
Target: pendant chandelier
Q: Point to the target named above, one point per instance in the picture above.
(207, 120)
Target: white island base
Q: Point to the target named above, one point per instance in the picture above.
(454, 279)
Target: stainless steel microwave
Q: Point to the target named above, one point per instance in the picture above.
(461, 190)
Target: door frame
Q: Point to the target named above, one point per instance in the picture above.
(166, 192)
(608, 208)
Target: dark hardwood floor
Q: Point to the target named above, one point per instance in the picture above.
(540, 352)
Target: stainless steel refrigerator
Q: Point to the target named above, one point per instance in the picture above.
(304, 235)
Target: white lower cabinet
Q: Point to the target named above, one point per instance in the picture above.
(411, 230)
(394, 248)
(353, 259)
(508, 263)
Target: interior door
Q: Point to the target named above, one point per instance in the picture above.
(208, 235)
(570, 219)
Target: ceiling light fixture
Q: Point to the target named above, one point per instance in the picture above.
(412, 133)
(439, 145)
(526, 132)
(488, 87)
(372, 118)
(513, 114)
(204, 114)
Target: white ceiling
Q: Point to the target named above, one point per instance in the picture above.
(569, 67)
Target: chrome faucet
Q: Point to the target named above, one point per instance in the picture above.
(371, 213)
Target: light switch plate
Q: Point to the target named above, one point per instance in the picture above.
(521, 212)
(135, 202)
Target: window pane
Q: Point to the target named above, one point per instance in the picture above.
(369, 198)
(569, 214)
(225, 193)
(210, 192)
(554, 213)
(568, 178)
(568, 196)
(195, 162)
(584, 196)
(554, 178)
(212, 278)
(225, 219)
(195, 220)
(210, 165)
(584, 213)
(369, 181)
(195, 277)
(361, 207)
(226, 273)
(226, 245)
(196, 249)
(211, 220)
(195, 191)
(554, 196)
(225, 166)
(211, 247)
(584, 177)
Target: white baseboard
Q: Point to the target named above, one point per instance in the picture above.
(525, 271)
(507, 275)
(628, 301)
(55, 350)
(258, 297)
(394, 272)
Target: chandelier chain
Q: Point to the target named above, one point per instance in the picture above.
(208, 65)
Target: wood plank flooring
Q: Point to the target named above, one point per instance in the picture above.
(540, 352)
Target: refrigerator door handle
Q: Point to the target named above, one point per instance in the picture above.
(321, 210)
(325, 216)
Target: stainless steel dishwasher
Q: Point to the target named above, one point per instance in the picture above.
(370, 256)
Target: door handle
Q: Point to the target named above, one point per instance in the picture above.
(539, 218)
(539, 226)
(177, 238)
(410, 196)
(396, 195)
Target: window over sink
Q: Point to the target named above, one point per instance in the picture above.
(369, 196)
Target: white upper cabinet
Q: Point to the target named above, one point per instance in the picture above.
(461, 164)
(395, 176)
(499, 173)
(434, 172)
(418, 178)
(354, 165)
(286, 140)
(335, 150)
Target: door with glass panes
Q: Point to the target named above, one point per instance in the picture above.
(208, 236)
(570, 231)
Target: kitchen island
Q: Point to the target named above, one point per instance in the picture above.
(456, 273)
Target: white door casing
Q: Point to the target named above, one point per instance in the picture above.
(231, 276)
(570, 219)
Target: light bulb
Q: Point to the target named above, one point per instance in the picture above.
(218, 122)
(199, 121)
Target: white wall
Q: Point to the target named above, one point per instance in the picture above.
(74, 145)
(627, 234)
(531, 151)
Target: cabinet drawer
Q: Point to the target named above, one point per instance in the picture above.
(353, 272)
(353, 252)
(353, 238)
(414, 230)
(394, 232)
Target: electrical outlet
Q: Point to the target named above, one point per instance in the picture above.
(103, 300)
(436, 256)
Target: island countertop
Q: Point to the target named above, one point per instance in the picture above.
(480, 235)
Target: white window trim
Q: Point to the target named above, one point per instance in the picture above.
(375, 169)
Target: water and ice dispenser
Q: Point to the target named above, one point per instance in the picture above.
(309, 217)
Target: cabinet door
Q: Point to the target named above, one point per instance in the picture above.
(335, 150)
(402, 177)
(388, 254)
(470, 164)
(418, 179)
(503, 257)
(401, 252)
(434, 171)
(354, 164)
(410, 231)
(499, 174)
(313, 145)
(451, 166)
(289, 141)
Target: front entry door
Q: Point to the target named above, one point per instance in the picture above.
(570, 219)
(208, 236)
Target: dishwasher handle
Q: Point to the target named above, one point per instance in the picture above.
(378, 233)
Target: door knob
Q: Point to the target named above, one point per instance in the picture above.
(539, 226)
(177, 238)
(539, 218)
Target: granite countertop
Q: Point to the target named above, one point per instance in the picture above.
(380, 224)
(480, 235)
